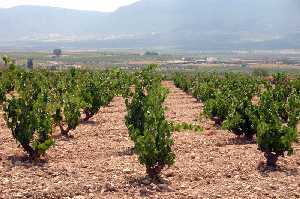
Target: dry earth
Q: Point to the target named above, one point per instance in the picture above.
(98, 162)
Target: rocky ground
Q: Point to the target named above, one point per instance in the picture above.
(98, 162)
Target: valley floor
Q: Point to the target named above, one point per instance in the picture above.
(98, 162)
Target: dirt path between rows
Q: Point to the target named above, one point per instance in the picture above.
(98, 162)
(185, 108)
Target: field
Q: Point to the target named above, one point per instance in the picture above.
(97, 163)
(169, 61)
(101, 157)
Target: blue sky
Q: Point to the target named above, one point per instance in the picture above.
(99, 5)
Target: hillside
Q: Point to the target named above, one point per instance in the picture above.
(189, 24)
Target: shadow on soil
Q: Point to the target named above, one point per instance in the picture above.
(265, 170)
(89, 122)
(127, 152)
(26, 161)
(240, 140)
(150, 186)
(60, 137)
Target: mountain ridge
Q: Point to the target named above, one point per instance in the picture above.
(189, 24)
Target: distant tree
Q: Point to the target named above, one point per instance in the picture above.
(149, 53)
(244, 65)
(30, 63)
(6, 60)
(57, 52)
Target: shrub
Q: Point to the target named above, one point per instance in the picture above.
(67, 101)
(185, 126)
(183, 82)
(2, 93)
(71, 110)
(260, 72)
(276, 120)
(25, 119)
(98, 90)
(91, 94)
(239, 118)
(217, 107)
(274, 139)
(147, 125)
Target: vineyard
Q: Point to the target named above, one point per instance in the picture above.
(247, 105)
(131, 134)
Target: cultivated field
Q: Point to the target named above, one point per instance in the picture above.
(98, 162)
(169, 61)
(142, 133)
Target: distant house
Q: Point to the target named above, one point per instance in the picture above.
(211, 60)
(188, 59)
(200, 61)
(76, 66)
(53, 65)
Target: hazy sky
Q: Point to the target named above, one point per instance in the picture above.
(100, 5)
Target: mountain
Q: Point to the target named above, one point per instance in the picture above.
(30, 21)
(184, 24)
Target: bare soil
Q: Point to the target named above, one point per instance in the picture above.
(98, 162)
